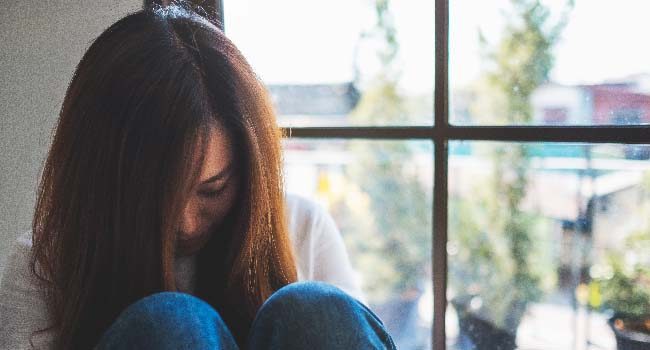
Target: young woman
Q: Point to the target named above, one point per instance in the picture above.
(161, 221)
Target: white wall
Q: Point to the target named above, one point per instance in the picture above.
(41, 42)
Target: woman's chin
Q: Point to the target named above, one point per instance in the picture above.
(190, 246)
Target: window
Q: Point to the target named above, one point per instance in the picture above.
(501, 205)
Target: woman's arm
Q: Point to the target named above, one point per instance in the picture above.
(319, 247)
(22, 303)
(332, 263)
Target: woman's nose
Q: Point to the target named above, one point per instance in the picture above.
(189, 222)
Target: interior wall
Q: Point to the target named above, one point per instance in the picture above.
(41, 42)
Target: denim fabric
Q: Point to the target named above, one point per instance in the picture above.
(168, 321)
(301, 315)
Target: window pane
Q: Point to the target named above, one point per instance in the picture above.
(380, 195)
(549, 63)
(341, 62)
(546, 242)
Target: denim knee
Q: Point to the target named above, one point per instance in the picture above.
(171, 309)
(309, 297)
(168, 320)
(317, 315)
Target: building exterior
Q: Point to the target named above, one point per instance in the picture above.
(611, 103)
(314, 104)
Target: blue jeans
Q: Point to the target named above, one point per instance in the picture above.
(301, 315)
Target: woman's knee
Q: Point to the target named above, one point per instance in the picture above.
(311, 298)
(170, 308)
(308, 314)
(164, 320)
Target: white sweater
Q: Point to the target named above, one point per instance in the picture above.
(318, 247)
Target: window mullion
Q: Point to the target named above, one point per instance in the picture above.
(440, 195)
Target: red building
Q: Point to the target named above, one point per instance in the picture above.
(618, 104)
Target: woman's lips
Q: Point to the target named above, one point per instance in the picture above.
(190, 245)
(183, 238)
(190, 241)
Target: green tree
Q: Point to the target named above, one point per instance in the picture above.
(519, 63)
(393, 251)
(624, 275)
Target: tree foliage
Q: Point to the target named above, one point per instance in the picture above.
(393, 249)
(519, 63)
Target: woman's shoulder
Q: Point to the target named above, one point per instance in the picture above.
(301, 206)
(305, 216)
(17, 272)
(22, 303)
(19, 253)
(310, 225)
(24, 240)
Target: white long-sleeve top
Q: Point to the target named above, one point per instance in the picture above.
(318, 248)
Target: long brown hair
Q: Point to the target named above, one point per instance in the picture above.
(122, 161)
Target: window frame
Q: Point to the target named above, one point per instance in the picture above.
(440, 133)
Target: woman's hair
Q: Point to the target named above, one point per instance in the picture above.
(126, 152)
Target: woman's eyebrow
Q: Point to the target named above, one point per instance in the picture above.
(219, 176)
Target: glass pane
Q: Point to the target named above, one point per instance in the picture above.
(380, 195)
(549, 62)
(546, 242)
(341, 62)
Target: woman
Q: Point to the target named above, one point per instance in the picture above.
(161, 220)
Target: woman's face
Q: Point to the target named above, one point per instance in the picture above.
(212, 197)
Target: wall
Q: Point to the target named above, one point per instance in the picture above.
(41, 43)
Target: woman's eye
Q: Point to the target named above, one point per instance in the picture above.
(211, 194)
